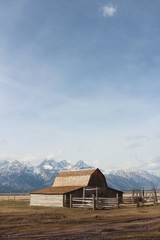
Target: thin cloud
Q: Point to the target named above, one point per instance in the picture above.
(136, 137)
(56, 154)
(134, 145)
(158, 135)
(109, 11)
(32, 158)
(136, 141)
(4, 142)
(153, 164)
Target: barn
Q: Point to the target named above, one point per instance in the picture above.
(81, 183)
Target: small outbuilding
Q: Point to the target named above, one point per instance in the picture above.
(81, 183)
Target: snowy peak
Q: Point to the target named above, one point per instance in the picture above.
(15, 167)
(23, 177)
(52, 165)
(135, 174)
(19, 177)
(49, 169)
(131, 179)
(65, 165)
(81, 165)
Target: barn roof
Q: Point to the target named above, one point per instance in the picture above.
(73, 178)
(56, 190)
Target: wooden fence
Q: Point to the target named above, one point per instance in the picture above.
(149, 198)
(142, 197)
(107, 203)
(82, 203)
(93, 203)
(14, 196)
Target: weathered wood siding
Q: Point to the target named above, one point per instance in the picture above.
(97, 179)
(46, 200)
(112, 193)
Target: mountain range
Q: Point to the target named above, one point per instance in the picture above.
(19, 177)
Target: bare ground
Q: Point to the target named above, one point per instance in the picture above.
(20, 221)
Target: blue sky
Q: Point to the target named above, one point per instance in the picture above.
(80, 80)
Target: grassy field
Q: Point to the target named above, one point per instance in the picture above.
(18, 220)
(9, 197)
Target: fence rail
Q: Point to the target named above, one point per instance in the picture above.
(106, 203)
(82, 202)
(128, 200)
(14, 196)
(94, 203)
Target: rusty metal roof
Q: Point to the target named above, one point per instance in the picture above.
(56, 190)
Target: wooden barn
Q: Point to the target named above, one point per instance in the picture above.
(82, 183)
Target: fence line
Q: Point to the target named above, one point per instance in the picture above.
(107, 203)
(14, 196)
(93, 203)
(82, 202)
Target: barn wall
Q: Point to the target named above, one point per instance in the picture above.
(97, 179)
(91, 190)
(46, 200)
(76, 193)
(113, 193)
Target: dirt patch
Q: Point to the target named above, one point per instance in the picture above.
(20, 221)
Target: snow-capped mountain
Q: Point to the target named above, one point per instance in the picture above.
(81, 165)
(23, 177)
(19, 177)
(133, 179)
(49, 169)
(15, 166)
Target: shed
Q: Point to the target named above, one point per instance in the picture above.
(81, 183)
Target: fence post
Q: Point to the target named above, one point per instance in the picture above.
(133, 194)
(93, 199)
(97, 204)
(155, 196)
(137, 198)
(64, 200)
(117, 196)
(70, 201)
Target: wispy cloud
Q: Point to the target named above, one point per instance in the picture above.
(158, 135)
(109, 10)
(32, 158)
(136, 137)
(153, 163)
(56, 154)
(136, 141)
(3, 142)
(134, 145)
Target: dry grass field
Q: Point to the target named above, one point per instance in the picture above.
(7, 197)
(20, 221)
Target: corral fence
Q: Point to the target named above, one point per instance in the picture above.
(141, 197)
(93, 203)
(135, 197)
(14, 196)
